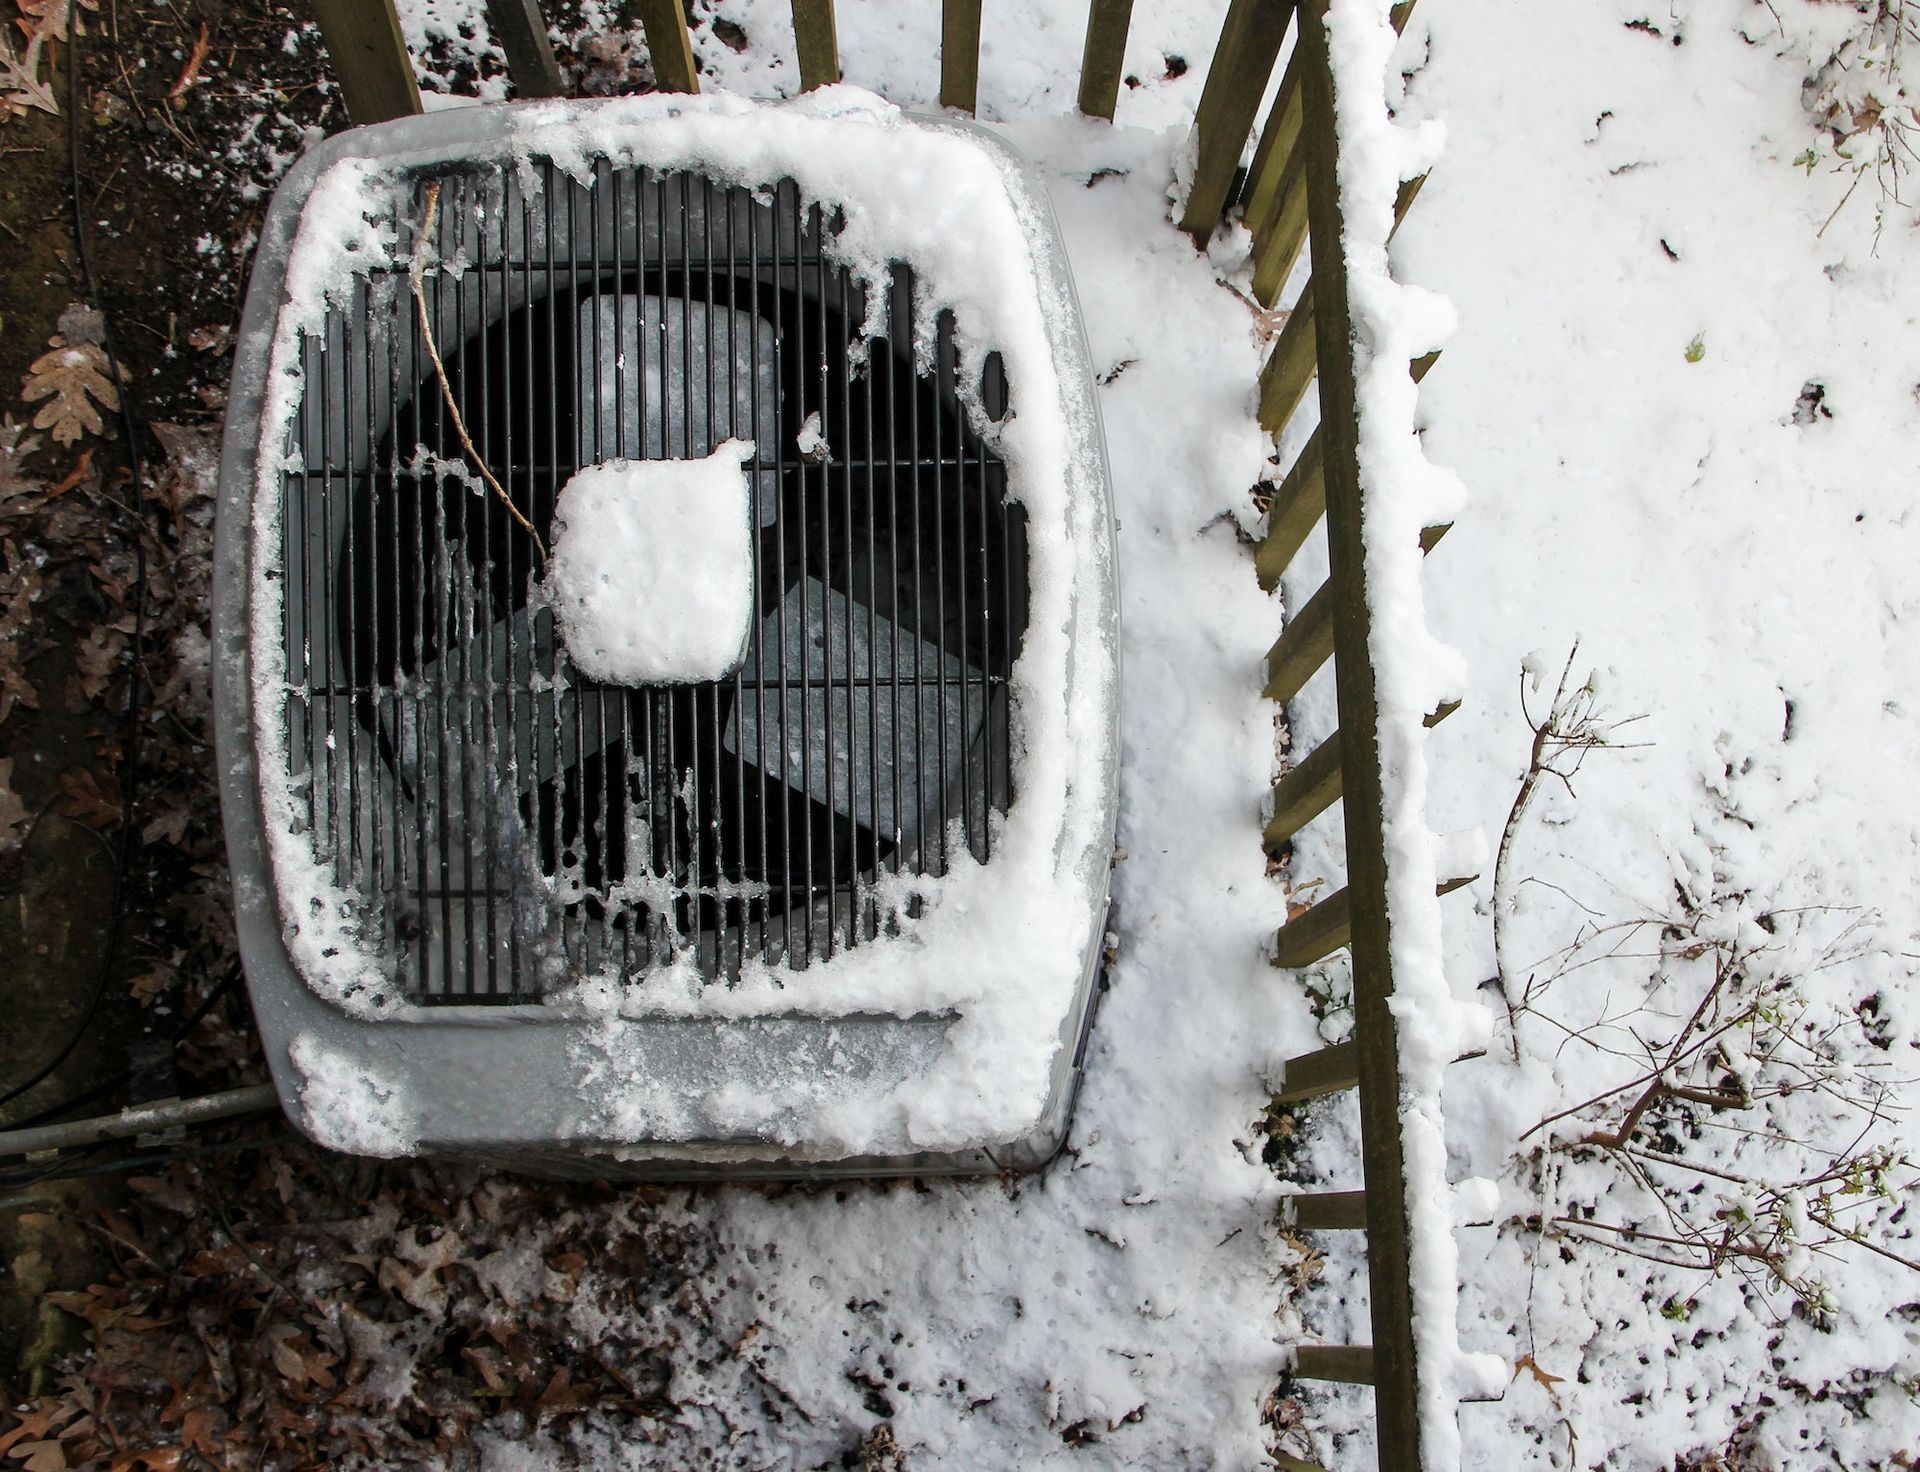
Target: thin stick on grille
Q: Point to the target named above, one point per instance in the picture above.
(415, 275)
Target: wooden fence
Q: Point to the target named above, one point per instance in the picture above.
(1289, 198)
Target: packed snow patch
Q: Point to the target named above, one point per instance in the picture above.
(350, 1106)
(651, 577)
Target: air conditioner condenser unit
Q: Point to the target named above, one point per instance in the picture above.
(666, 642)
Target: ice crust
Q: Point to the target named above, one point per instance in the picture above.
(960, 215)
(651, 573)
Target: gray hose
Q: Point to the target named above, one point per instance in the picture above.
(141, 1119)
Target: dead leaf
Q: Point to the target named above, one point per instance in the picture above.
(1547, 1381)
(20, 84)
(298, 1360)
(286, 1358)
(562, 1396)
(13, 812)
(151, 1459)
(36, 1423)
(41, 1456)
(89, 801)
(16, 614)
(95, 660)
(190, 73)
(82, 472)
(199, 1428)
(69, 378)
(15, 445)
(169, 826)
(192, 471)
(210, 339)
(79, 323)
(53, 19)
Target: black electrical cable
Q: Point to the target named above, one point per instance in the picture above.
(68, 1168)
(87, 1096)
(130, 728)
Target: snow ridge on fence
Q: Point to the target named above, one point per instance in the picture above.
(1401, 494)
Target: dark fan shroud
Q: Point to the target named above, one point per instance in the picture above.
(501, 818)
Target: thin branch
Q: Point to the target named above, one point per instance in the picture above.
(415, 275)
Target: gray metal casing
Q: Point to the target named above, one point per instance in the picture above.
(499, 1083)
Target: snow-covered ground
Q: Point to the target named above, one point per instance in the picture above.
(1690, 422)
(1687, 419)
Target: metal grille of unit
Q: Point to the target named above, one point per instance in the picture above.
(500, 821)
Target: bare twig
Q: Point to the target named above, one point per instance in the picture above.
(416, 274)
(1574, 726)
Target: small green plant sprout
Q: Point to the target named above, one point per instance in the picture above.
(1808, 159)
(1697, 349)
(1677, 1308)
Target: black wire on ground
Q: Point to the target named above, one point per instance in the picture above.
(53, 1111)
(92, 1161)
(130, 727)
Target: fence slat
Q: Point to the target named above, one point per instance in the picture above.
(960, 54)
(1393, 1364)
(1281, 236)
(1278, 140)
(522, 33)
(818, 41)
(1314, 934)
(1249, 43)
(669, 44)
(1289, 372)
(1403, 201)
(1306, 791)
(1305, 643)
(1101, 62)
(1326, 1211)
(1350, 1364)
(1325, 1071)
(1296, 510)
(369, 57)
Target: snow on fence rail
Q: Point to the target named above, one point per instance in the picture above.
(1333, 175)
(1330, 173)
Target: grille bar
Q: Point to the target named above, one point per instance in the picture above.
(500, 821)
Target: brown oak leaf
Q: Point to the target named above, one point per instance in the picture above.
(70, 378)
(53, 18)
(16, 613)
(13, 812)
(168, 826)
(20, 84)
(91, 801)
(15, 445)
(95, 659)
(41, 1456)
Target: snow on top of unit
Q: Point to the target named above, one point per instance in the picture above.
(999, 947)
(1402, 492)
(650, 576)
